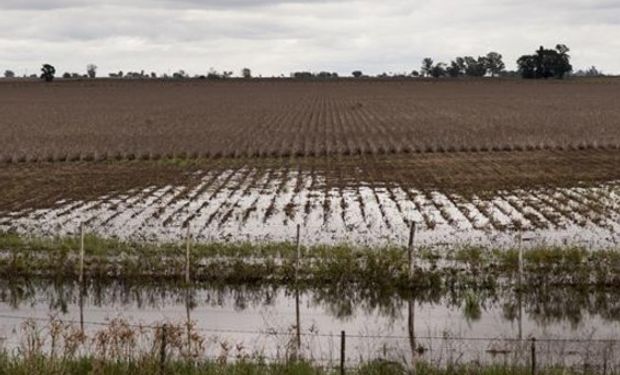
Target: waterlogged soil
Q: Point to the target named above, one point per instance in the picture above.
(490, 199)
(470, 325)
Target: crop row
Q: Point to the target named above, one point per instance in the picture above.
(149, 121)
(250, 204)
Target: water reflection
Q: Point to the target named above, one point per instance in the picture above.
(543, 305)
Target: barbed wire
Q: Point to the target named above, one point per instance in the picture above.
(331, 335)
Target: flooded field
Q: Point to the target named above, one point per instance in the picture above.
(257, 205)
(571, 326)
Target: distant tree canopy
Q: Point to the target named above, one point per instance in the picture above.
(438, 70)
(590, 72)
(246, 73)
(68, 75)
(491, 64)
(91, 70)
(427, 66)
(494, 64)
(180, 74)
(357, 73)
(546, 63)
(9, 74)
(48, 72)
(430, 69)
(308, 75)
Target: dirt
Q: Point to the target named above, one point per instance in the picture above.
(150, 119)
(35, 185)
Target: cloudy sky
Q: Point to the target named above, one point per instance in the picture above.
(279, 36)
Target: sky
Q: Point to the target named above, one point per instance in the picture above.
(273, 37)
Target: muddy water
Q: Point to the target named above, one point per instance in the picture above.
(226, 207)
(460, 326)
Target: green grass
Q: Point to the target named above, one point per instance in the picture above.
(87, 365)
(244, 262)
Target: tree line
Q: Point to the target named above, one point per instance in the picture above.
(542, 64)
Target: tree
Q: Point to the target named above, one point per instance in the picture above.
(475, 67)
(9, 74)
(66, 75)
(546, 63)
(357, 73)
(439, 70)
(246, 73)
(427, 66)
(562, 64)
(91, 70)
(180, 74)
(415, 73)
(495, 65)
(593, 72)
(457, 67)
(48, 72)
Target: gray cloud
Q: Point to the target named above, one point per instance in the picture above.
(279, 36)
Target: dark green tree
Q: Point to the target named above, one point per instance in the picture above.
(48, 72)
(475, 67)
(546, 63)
(357, 73)
(457, 67)
(438, 70)
(427, 66)
(495, 65)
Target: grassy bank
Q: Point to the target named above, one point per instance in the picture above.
(42, 365)
(276, 263)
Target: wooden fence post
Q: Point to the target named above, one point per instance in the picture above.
(81, 277)
(162, 351)
(520, 259)
(298, 259)
(533, 355)
(187, 255)
(410, 249)
(342, 351)
(297, 314)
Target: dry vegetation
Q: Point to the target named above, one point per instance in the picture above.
(151, 120)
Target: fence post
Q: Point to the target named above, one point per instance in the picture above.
(297, 261)
(187, 254)
(410, 249)
(81, 277)
(342, 351)
(520, 241)
(162, 352)
(533, 355)
(297, 315)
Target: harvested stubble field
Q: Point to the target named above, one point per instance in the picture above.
(354, 161)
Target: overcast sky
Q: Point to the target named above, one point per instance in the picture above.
(278, 36)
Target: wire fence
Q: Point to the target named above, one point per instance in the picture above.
(329, 349)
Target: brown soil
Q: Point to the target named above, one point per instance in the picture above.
(111, 119)
(33, 185)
